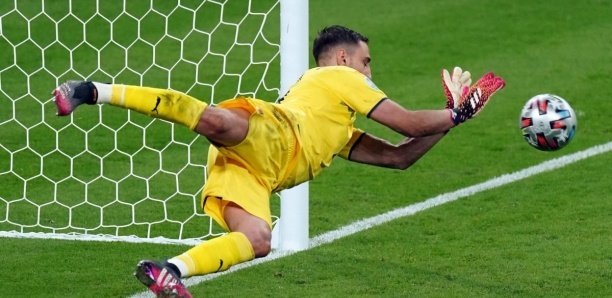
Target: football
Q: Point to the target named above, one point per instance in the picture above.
(548, 122)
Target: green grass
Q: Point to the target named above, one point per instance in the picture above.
(545, 236)
(522, 240)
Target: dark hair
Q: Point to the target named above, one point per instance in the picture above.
(332, 36)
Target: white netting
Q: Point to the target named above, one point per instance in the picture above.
(105, 170)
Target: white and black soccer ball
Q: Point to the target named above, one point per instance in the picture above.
(548, 122)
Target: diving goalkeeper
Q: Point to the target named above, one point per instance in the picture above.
(259, 147)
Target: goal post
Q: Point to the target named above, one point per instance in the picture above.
(109, 174)
(293, 223)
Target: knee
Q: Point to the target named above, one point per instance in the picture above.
(256, 230)
(223, 126)
(261, 241)
(212, 123)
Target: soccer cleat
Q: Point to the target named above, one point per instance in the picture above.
(160, 280)
(72, 94)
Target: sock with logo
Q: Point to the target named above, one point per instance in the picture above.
(214, 255)
(169, 105)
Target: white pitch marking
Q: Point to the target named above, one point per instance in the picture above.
(364, 224)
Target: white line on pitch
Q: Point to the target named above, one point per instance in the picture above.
(367, 223)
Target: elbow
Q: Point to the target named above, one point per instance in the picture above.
(404, 166)
(398, 159)
(403, 163)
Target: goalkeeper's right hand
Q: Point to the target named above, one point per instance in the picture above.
(476, 98)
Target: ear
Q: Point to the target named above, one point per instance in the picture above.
(341, 56)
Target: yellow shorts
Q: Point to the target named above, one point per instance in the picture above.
(247, 174)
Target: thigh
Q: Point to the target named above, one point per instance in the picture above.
(269, 146)
(229, 182)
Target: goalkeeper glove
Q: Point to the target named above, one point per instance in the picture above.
(455, 86)
(476, 98)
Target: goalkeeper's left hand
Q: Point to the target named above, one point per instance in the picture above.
(476, 98)
(455, 85)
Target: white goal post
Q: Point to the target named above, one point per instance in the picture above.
(107, 174)
(293, 223)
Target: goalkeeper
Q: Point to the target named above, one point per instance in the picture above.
(259, 147)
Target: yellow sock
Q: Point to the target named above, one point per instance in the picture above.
(215, 255)
(169, 105)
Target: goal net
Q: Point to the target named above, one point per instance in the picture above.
(106, 172)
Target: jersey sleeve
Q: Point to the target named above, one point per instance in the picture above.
(358, 91)
(346, 151)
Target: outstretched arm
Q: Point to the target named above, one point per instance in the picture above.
(375, 151)
(412, 123)
(463, 103)
(423, 128)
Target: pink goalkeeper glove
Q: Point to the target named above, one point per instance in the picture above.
(476, 98)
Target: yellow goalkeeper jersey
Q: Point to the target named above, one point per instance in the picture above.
(323, 105)
(288, 142)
